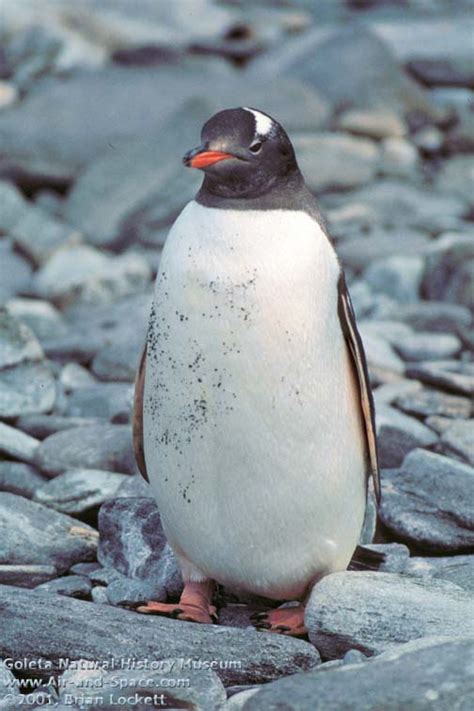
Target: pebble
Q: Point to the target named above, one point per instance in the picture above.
(17, 444)
(18, 478)
(34, 534)
(69, 585)
(449, 274)
(424, 402)
(74, 375)
(398, 277)
(40, 316)
(436, 316)
(41, 426)
(15, 272)
(376, 124)
(428, 346)
(458, 439)
(447, 374)
(118, 361)
(111, 401)
(358, 251)
(399, 434)
(78, 490)
(373, 611)
(399, 157)
(26, 576)
(413, 496)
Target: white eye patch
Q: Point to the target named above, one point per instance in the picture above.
(263, 124)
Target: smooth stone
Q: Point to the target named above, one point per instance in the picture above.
(161, 688)
(106, 447)
(37, 233)
(459, 440)
(434, 566)
(112, 401)
(396, 556)
(85, 569)
(376, 124)
(26, 388)
(425, 402)
(449, 274)
(332, 160)
(446, 374)
(68, 585)
(134, 486)
(379, 353)
(457, 177)
(128, 592)
(118, 361)
(238, 701)
(399, 434)
(74, 375)
(353, 217)
(432, 673)
(99, 595)
(41, 426)
(390, 331)
(373, 611)
(84, 274)
(44, 320)
(436, 316)
(428, 346)
(18, 344)
(389, 393)
(399, 158)
(429, 140)
(358, 251)
(26, 576)
(17, 444)
(117, 634)
(15, 272)
(413, 496)
(442, 72)
(397, 276)
(78, 490)
(18, 478)
(461, 574)
(35, 534)
(439, 424)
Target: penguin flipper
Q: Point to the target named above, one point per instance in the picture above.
(356, 349)
(137, 421)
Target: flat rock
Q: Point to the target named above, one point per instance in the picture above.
(83, 274)
(436, 316)
(372, 611)
(34, 534)
(377, 124)
(398, 435)
(457, 569)
(449, 375)
(398, 277)
(26, 576)
(18, 343)
(428, 346)
(358, 251)
(40, 316)
(435, 673)
(17, 444)
(106, 447)
(15, 272)
(18, 478)
(118, 361)
(380, 355)
(425, 402)
(242, 656)
(78, 490)
(335, 160)
(414, 496)
(396, 556)
(459, 440)
(399, 158)
(26, 388)
(449, 274)
(69, 585)
(457, 177)
(41, 426)
(112, 401)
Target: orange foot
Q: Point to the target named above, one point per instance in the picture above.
(193, 606)
(282, 620)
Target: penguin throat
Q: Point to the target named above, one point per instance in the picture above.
(236, 187)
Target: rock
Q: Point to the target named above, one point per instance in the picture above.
(99, 595)
(112, 401)
(380, 356)
(129, 593)
(457, 177)
(106, 447)
(133, 486)
(10, 694)
(26, 576)
(447, 374)
(40, 316)
(358, 251)
(332, 160)
(377, 124)
(428, 140)
(21, 479)
(399, 157)
(119, 361)
(413, 496)
(435, 673)
(78, 490)
(449, 274)
(461, 574)
(242, 656)
(349, 219)
(352, 68)
(85, 568)
(389, 330)
(398, 277)
(69, 586)
(398, 435)
(8, 94)
(434, 566)
(17, 343)
(41, 426)
(15, 272)
(161, 686)
(459, 440)
(460, 138)
(35, 534)
(396, 556)
(373, 611)
(83, 274)
(442, 72)
(428, 346)
(435, 316)
(37, 233)
(427, 401)
(389, 393)
(17, 444)
(75, 376)
(237, 702)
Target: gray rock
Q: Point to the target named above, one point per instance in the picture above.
(439, 424)
(358, 251)
(21, 479)
(36, 233)
(44, 320)
(428, 346)
(128, 592)
(26, 388)
(112, 401)
(85, 568)
(99, 595)
(41, 426)
(396, 556)
(83, 274)
(399, 158)
(398, 435)
(119, 361)
(380, 355)
(135, 486)
(377, 123)
(78, 490)
(433, 674)
(15, 272)
(237, 701)
(17, 342)
(449, 274)
(74, 375)
(434, 566)
(17, 444)
(332, 160)
(457, 177)
(398, 277)
(106, 447)
(434, 316)
(242, 656)
(425, 402)
(389, 393)
(459, 440)
(68, 585)
(26, 576)
(413, 497)
(34, 534)
(442, 72)
(446, 374)
(156, 688)
(461, 574)
(9, 688)
(372, 611)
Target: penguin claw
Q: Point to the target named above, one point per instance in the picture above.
(180, 611)
(255, 616)
(288, 621)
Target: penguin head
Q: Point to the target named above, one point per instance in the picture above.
(243, 153)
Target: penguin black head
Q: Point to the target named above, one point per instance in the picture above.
(244, 153)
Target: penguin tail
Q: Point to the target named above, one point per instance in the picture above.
(366, 559)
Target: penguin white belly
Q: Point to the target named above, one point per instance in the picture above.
(252, 428)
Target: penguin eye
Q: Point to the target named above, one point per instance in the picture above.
(255, 147)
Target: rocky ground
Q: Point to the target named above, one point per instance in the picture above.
(98, 102)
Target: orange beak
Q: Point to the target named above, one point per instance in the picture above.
(201, 158)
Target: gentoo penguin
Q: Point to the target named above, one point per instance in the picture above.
(253, 420)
